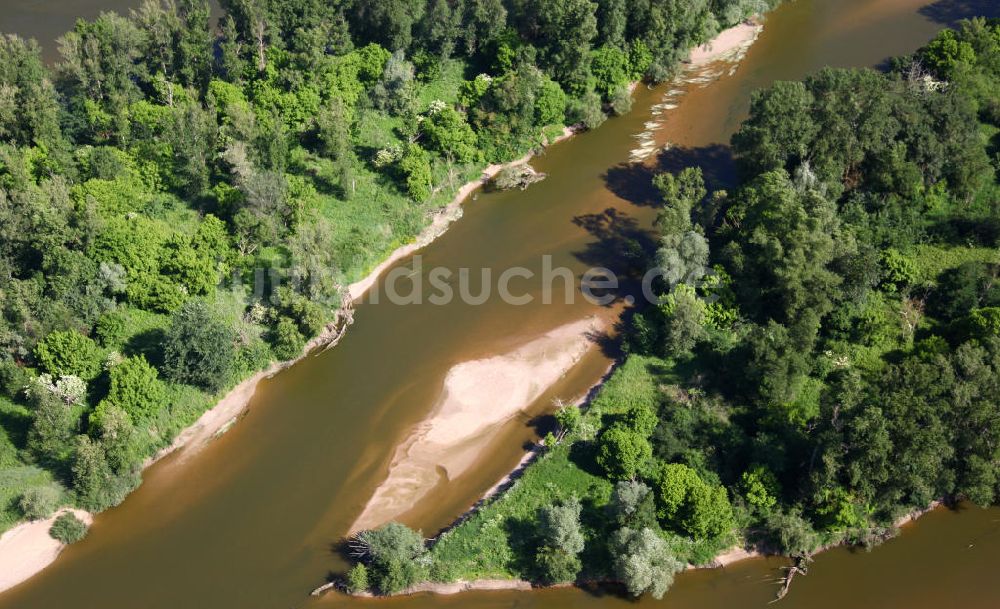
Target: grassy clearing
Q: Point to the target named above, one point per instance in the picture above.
(931, 260)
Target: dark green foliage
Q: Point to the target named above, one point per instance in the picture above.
(198, 347)
(161, 161)
(287, 341)
(824, 354)
(67, 528)
(53, 424)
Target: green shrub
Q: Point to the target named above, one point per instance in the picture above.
(67, 528)
(69, 353)
(357, 579)
(39, 502)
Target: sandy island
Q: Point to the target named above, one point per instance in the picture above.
(478, 397)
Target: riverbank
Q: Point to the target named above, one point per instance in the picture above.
(416, 464)
(729, 557)
(29, 545)
(444, 217)
(227, 410)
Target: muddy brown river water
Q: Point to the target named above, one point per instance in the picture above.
(249, 521)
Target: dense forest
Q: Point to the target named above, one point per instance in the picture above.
(824, 358)
(182, 202)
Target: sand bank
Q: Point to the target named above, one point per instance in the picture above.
(729, 44)
(27, 549)
(478, 397)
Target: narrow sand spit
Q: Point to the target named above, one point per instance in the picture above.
(27, 549)
(701, 69)
(478, 397)
(731, 42)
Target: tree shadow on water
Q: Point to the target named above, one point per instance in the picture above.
(620, 242)
(633, 182)
(950, 12)
(716, 162)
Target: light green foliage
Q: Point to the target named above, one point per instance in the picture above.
(449, 134)
(622, 452)
(946, 52)
(69, 353)
(569, 418)
(760, 488)
(16, 480)
(984, 322)
(357, 579)
(689, 503)
(67, 528)
(40, 501)
(561, 541)
(415, 167)
(135, 388)
(838, 511)
(644, 562)
(610, 66)
(550, 104)
(484, 546)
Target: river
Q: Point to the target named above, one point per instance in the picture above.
(250, 521)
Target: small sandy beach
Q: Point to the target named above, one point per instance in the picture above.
(27, 549)
(730, 43)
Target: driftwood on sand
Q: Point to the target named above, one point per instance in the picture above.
(517, 176)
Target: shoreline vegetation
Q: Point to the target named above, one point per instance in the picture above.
(162, 165)
(727, 45)
(722, 560)
(28, 544)
(824, 360)
(185, 203)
